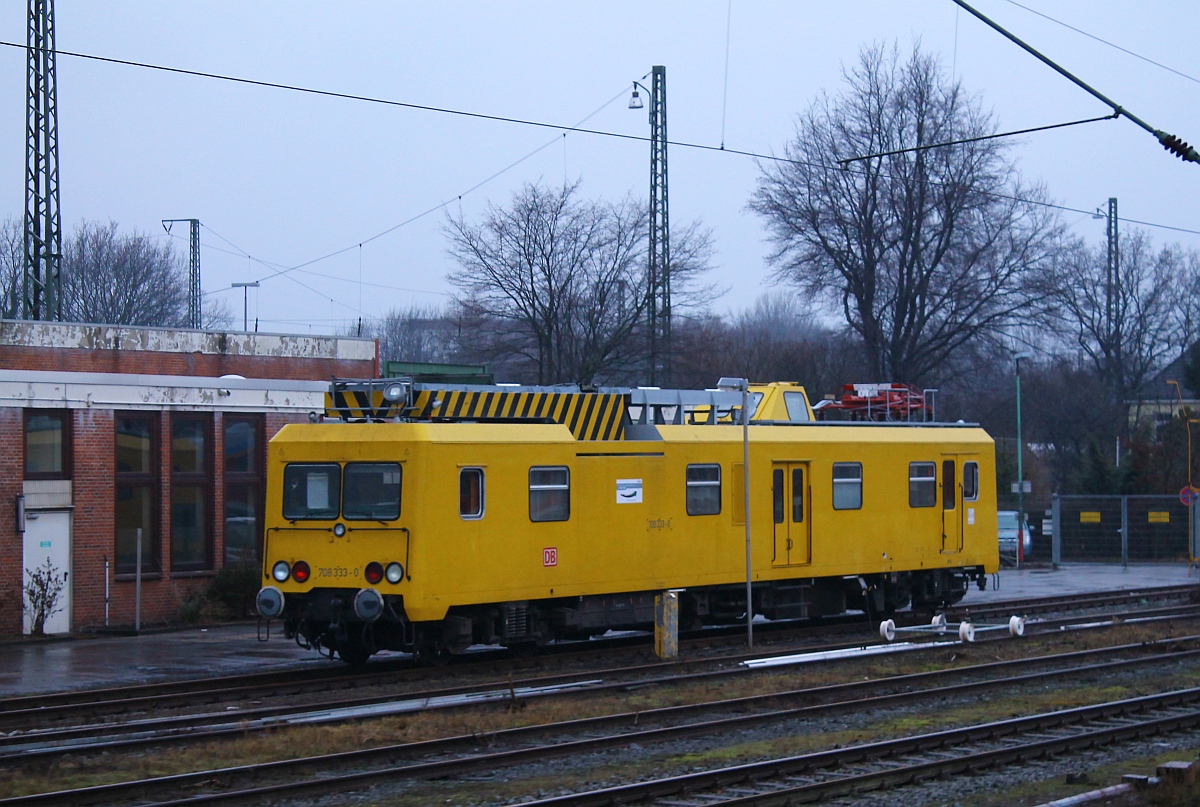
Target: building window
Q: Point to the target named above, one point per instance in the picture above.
(136, 484)
(243, 489)
(703, 490)
(470, 493)
(47, 444)
(847, 486)
(549, 494)
(371, 491)
(311, 491)
(922, 484)
(971, 481)
(191, 485)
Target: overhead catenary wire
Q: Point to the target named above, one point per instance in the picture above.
(1103, 41)
(1168, 141)
(845, 162)
(560, 127)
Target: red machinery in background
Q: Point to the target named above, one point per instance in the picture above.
(879, 402)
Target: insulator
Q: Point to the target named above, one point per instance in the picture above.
(1176, 146)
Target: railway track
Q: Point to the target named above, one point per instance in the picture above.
(193, 693)
(894, 763)
(24, 735)
(456, 756)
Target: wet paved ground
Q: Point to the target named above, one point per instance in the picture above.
(28, 667)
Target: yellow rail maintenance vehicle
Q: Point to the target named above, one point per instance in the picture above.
(430, 518)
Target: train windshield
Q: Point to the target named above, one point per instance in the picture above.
(311, 490)
(372, 491)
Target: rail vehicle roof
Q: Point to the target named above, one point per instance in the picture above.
(377, 434)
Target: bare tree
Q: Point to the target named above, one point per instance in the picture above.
(1127, 329)
(417, 333)
(923, 252)
(12, 266)
(560, 284)
(127, 280)
(775, 340)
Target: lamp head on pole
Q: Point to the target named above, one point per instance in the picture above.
(635, 100)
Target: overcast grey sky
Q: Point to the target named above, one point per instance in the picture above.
(289, 177)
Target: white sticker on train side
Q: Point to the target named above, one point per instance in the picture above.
(629, 491)
(970, 515)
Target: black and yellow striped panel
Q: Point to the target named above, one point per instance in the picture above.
(589, 415)
(358, 405)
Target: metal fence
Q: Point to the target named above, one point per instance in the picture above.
(1110, 529)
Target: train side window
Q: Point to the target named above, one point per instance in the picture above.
(470, 493)
(798, 495)
(311, 490)
(922, 484)
(703, 490)
(549, 494)
(777, 494)
(372, 491)
(971, 481)
(847, 486)
(949, 485)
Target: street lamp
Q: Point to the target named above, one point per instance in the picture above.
(245, 287)
(743, 385)
(1020, 467)
(659, 269)
(1190, 491)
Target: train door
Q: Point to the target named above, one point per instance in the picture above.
(791, 498)
(952, 505)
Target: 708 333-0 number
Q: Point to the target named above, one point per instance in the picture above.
(336, 571)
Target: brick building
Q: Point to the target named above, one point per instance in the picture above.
(106, 430)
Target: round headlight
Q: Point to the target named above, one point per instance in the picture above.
(339, 529)
(393, 392)
(269, 602)
(373, 572)
(281, 570)
(368, 604)
(394, 572)
(300, 571)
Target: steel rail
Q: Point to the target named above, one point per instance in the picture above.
(36, 743)
(624, 727)
(214, 690)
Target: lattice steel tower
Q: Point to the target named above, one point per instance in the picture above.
(660, 233)
(42, 292)
(194, 293)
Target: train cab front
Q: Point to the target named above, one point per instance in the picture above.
(335, 556)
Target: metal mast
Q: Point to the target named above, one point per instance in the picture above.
(660, 232)
(42, 290)
(1112, 285)
(194, 294)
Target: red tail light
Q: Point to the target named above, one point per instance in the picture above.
(300, 571)
(373, 572)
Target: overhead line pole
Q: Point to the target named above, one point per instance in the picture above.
(194, 293)
(1168, 141)
(42, 287)
(660, 232)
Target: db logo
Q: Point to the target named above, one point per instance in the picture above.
(550, 556)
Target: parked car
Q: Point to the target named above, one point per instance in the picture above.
(1007, 522)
